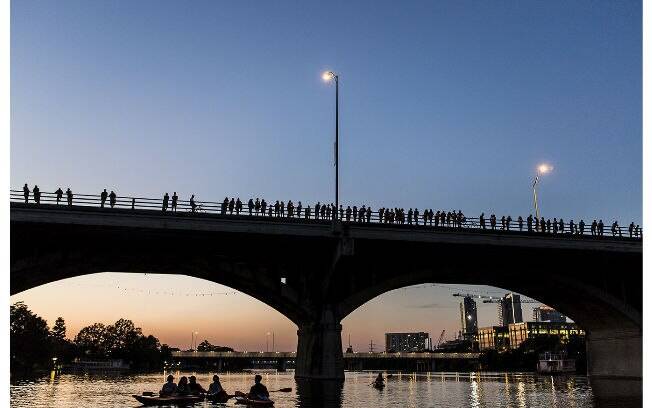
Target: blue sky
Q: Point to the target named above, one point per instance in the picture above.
(447, 104)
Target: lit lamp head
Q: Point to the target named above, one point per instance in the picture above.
(328, 76)
(544, 168)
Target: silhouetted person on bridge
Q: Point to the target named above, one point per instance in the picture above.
(615, 229)
(368, 215)
(308, 209)
(257, 206)
(502, 222)
(571, 227)
(299, 208)
(193, 206)
(238, 206)
(322, 212)
(554, 225)
(327, 212)
(482, 221)
(69, 196)
(600, 228)
(520, 223)
(341, 212)
(542, 224)
(317, 209)
(175, 198)
(548, 226)
(250, 206)
(416, 216)
(290, 209)
(582, 224)
(263, 206)
(166, 199)
(409, 216)
(594, 227)
(37, 194)
(225, 205)
(492, 221)
(103, 196)
(529, 223)
(631, 230)
(561, 225)
(26, 193)
(348, 213)
(277, 208)
(508, 221)
(231, 205)
(282, 209)
(112, 199)
(59, 194)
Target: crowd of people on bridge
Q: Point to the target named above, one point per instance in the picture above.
(365, 214)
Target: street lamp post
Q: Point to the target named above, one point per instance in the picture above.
(328, 76)
(541, 170)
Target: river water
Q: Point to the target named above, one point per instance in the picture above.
(491, 390)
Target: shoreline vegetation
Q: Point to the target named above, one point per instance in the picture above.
(36, 348)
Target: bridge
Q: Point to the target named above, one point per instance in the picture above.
(419, 361)
(316, 272)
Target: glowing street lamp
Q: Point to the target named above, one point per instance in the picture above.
(541, 170)
(329, 76)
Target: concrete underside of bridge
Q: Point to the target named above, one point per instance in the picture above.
(329, 272)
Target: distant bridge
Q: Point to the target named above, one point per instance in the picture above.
(316, 272)
(352, 361)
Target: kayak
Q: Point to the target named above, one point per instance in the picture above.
(171, 400)
(253, 402)
(220, 398)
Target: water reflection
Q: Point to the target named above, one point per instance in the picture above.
(477, 390)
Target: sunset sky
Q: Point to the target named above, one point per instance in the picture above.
(448, 104)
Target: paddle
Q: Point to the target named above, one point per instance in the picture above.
(242, 394)
(283, 390)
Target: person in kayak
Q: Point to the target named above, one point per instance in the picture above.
(182, 387)
(195, 387)
(258, 391)
(216, 387)
(379, 381)
(169, 387)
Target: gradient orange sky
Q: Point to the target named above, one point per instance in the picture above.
(171, 307)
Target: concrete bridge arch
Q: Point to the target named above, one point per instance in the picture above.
(316, 274)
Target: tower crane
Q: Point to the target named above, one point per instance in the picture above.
(441, 338)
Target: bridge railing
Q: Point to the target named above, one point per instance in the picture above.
(216, 208)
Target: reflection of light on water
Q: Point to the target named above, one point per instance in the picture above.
(520, 394)
(475, 398)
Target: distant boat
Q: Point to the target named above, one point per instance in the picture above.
(98, 365)
(555, 363)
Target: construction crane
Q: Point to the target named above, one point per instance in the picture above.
(490, 299)
(441, 338)
(497, 300)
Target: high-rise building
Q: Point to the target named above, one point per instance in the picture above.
(405, 342)
(547, 314)
(469, 317)
(493, 338)
(509, 310)
(520, 332)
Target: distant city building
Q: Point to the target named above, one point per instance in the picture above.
(493, 338)
(509, 310)
(404, 342)
(547, 314)
(469, 317)
(519, 332)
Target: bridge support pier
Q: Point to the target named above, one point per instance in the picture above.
(615, 363)
(319, 349)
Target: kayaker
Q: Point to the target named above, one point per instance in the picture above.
(195, 387)
(258, 391)
(182, 387)
(379, 381)
(216, 387)
(169, 387)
